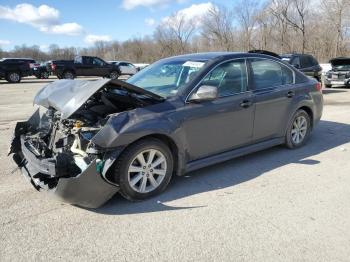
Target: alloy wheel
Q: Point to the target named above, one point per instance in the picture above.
(147, 171)
(68, 75)
(14, 77)
(299, 129)
(114, 75)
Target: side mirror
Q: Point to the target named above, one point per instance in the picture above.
(205, 93)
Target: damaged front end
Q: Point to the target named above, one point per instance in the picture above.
(53, 156)
(54, 148)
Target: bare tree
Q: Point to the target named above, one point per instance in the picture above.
(247, 11)
(296, 12)
(336, 12)
(277, 9)
(318, 27)
(175, 33)
(218, 28)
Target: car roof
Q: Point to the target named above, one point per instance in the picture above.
(205, 55)
(294, 54)
(216, 55)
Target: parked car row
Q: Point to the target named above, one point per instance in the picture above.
(13, 69)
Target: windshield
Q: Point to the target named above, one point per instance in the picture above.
(345, 67)
(166, 78)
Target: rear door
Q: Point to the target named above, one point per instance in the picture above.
(273, 97)
(83, 66)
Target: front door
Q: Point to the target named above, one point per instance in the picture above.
(223, 124)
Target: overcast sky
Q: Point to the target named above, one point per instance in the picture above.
(82, 22)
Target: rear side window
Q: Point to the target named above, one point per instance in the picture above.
(230, 78)
(295, 61)
(268, 74)
(307, 61)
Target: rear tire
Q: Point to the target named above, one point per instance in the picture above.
(13, 77)
(299, 130)
(68, 75)
(114, 75)
(144, 169)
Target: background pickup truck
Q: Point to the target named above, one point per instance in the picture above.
(84, 66)
(13, 69)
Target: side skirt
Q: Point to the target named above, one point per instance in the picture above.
(211, 160)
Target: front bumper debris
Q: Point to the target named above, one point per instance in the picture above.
(87, 189)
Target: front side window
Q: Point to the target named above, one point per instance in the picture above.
(98, 62)
(167, 77)
(230, 78)
(269, 74)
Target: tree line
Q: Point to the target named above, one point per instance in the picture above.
(319, 27)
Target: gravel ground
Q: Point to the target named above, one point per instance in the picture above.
(275, 205)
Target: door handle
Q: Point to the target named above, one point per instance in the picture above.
(290, 94)
(246, 103)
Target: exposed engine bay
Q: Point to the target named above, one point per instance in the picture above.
(66, 143)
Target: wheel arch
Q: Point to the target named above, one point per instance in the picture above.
(69, 70)
(170, 142)
(179, 164)
(309, 111)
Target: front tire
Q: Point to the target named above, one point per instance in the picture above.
(298, 130)
(144, 169)
(45, 75)
(13, 77)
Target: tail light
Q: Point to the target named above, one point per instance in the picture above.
(319, 86)
(53, 67)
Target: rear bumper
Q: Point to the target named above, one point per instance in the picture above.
(87, 189)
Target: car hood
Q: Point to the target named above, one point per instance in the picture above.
(67, 96)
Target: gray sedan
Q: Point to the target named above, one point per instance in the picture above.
(91, 139)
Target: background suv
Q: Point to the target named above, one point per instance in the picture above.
(305, 63)
(13, 69)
